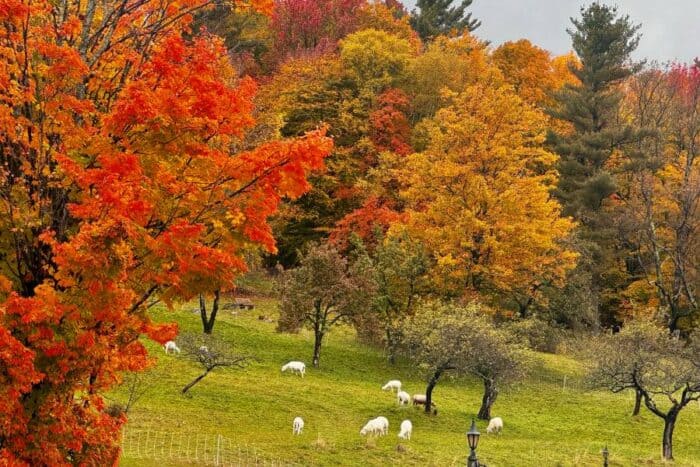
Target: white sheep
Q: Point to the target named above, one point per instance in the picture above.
(295, 367)
(297, 425)
(376, 426)
(204, 349)
(383, 424)
(406, 429)
(393, 384)
(403, 397)
(495, 425)
(171, 346)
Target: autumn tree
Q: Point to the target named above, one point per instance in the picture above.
(532, 71)
(433, 18)
(323, 291)
(400, 265)
(660, 193)
(315, 26)
(342, 92)
(478, 198)
(119, 187)
(445, 339)
(447, 63)
(656, 366)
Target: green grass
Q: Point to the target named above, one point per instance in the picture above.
(545, 423)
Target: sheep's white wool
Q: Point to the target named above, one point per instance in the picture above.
(406, 429)
(495, 425)
(295, 367)
(171, 346)
(403, 397)
(391, 385)
(297, 425)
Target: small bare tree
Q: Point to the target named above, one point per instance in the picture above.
(654, 364)
(210, 353)
(444, 338)
(135, 385)
(323, 291)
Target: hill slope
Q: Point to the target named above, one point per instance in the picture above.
(549, 419)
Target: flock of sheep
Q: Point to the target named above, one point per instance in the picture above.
(377, 426)
(380, 426)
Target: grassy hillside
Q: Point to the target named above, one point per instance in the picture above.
(546, 423)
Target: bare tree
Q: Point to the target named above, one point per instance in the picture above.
(444, 338)
(657, 366)
(323, 291)
(209, 353)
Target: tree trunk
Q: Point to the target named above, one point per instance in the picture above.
(318, 338)
(669, 425)
(208, 324)
(490, 394)
(429, 390)
(637, 402)
(195, 381)
(391, 346)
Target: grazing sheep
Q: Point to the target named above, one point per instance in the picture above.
(495, 425)
(295, 367)
(376, 426)
(391, 385)
(171, 346)
(406, 429)
(297, 425)
(421, 399)
(383, 424)
(403, 397)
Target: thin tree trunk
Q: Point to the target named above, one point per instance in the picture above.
(208, 323)
(637, 402)
(429, 390)
(195, 381)
(318, 338)
(390, 346)
(490, 394)
(669, 425)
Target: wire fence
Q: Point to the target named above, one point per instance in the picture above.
(197, 448)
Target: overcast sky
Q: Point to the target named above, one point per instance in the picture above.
(670, 29)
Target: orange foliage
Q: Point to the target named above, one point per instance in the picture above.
(118, 187)
(363, 222)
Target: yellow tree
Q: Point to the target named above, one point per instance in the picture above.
(478, 196)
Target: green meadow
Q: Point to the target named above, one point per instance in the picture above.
(550, 418)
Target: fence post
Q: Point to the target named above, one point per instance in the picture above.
(218, 448)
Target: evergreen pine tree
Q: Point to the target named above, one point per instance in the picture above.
(435, 17)
(604, 42)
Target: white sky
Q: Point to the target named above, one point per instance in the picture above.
(670, 28)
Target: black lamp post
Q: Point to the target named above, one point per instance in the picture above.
(473, 440)
(605, 453)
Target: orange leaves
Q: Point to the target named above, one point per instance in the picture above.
(120, 182)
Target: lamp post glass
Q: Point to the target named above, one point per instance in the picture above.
(473, 436)
(473, 440)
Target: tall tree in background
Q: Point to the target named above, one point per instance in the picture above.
(118, 187)
(478, 198)
(603, 41)
(438, 17)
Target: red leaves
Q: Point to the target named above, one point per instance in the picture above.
(120, 184)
